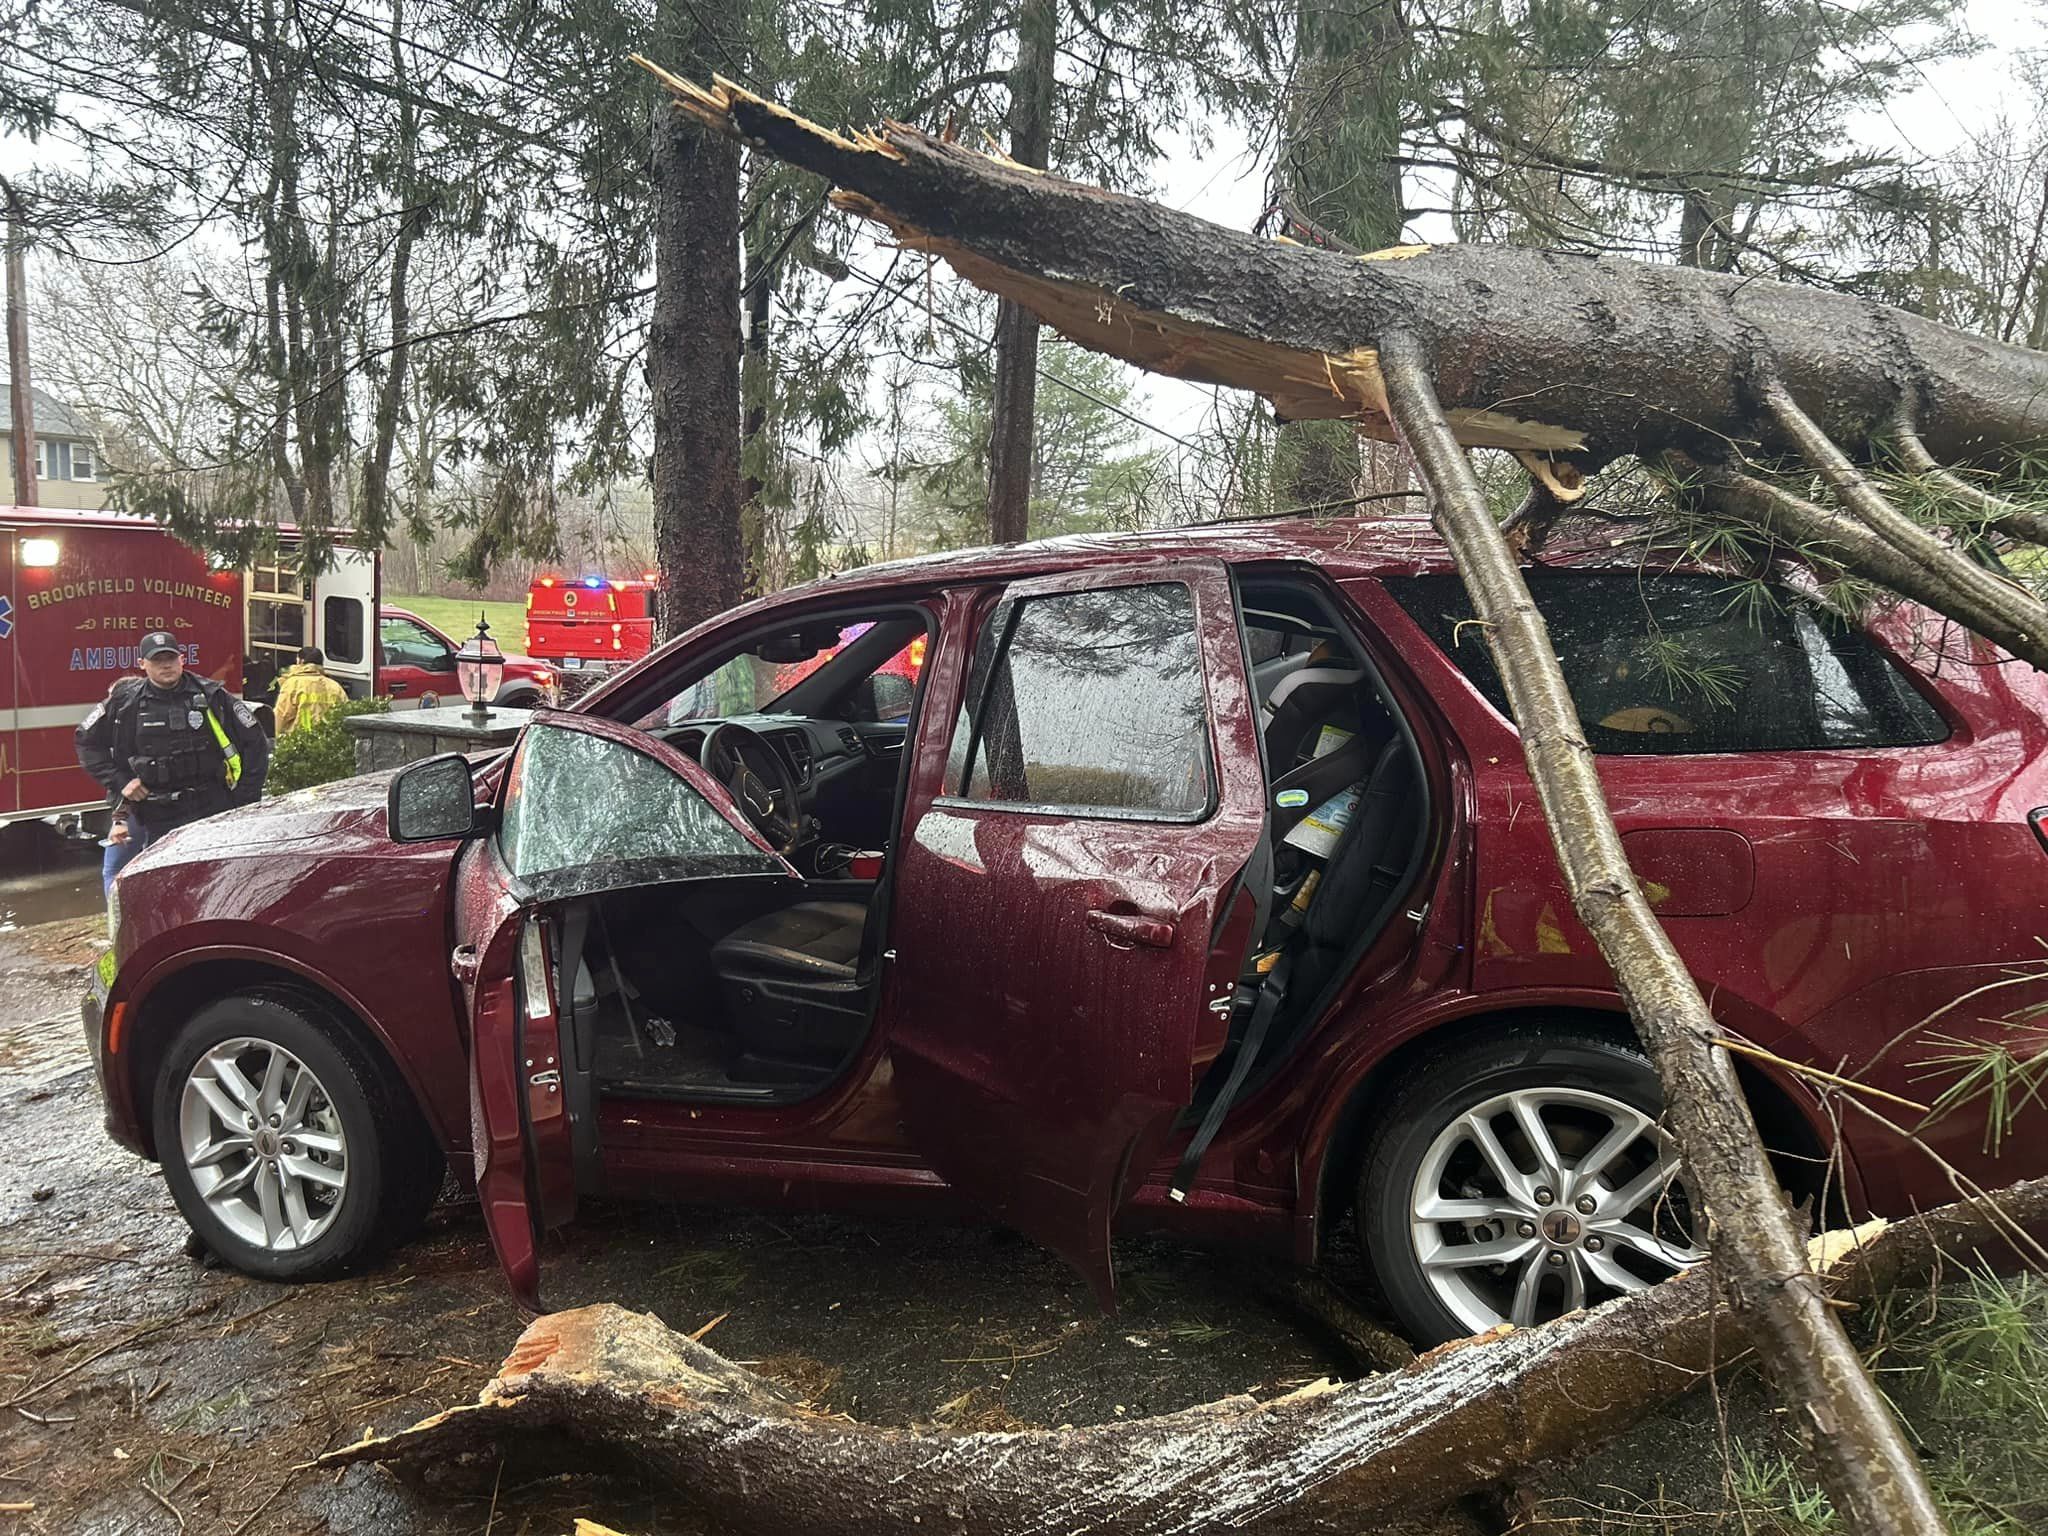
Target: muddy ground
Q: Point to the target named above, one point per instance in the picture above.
(143, 1392)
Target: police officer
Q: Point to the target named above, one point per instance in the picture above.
(170, 748)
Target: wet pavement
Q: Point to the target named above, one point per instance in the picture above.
(46, 876)
(143, 1392)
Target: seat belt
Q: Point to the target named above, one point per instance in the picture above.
(624, 990)
(1301, 790)
(1271, 990)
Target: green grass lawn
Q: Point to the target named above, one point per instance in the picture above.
(456, 617)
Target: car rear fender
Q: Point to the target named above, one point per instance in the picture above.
(1789, 1113)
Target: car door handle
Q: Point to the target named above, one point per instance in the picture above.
(1132, 928)
(463, 962)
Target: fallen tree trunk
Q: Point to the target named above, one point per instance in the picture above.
(1583, 357)
(604, 1388)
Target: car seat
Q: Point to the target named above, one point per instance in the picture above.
(790, 980)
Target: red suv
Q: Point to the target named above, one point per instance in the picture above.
(1188, 881)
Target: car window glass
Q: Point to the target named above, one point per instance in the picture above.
(1096, 702)
(890, 687)
(574, 799)
(341, 625)
(1681, 664)
(749, 684)
(406, 644)
(977, 680)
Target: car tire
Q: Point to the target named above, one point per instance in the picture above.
(347, 1168)
(525, 699)
(1553, 1227)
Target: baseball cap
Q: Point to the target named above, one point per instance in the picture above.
(156, 642)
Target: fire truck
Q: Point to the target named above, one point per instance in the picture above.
(590, 623)
(79, 590)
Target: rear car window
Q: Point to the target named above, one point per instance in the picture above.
(1693, 663)
(1094, 703)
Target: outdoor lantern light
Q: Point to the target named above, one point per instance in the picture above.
(39, 552)
(480, 667)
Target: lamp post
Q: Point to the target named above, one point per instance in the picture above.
(480, 668)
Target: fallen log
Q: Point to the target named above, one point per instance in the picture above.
(605, 1389)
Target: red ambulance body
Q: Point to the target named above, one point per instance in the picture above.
(78, 590)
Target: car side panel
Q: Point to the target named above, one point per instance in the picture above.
(316, 910)
(1861, 868)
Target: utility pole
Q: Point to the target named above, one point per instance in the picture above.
(18, 400)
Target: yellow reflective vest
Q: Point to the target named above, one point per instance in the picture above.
(304, 695)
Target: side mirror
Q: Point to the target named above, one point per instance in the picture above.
(431, 800)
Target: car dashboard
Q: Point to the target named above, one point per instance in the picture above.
(845, 771)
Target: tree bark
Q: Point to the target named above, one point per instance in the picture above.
(376, 520)
(605, 1389)
(756, 384)
(693, 371)
(1014, 410)
(1341, 175)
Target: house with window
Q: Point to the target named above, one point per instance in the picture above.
(68, 467)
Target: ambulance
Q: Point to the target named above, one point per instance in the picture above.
(78, 590)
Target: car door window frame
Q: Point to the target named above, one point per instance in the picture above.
(999, 618)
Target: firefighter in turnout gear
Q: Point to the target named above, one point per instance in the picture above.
(170, 748)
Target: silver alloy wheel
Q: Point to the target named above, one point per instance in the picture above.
(263, 1144)
(1544, 1200)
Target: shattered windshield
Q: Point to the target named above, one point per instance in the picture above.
(574, 800)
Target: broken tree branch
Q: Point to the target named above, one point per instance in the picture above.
(602, 1387)
(1528, 526)
(1864, 1461)
(2004, 603)
(2007, 517)
(1820, 534)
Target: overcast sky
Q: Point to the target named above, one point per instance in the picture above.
(1226, 183)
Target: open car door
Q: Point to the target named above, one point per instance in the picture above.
(586, 806)
(1102, 803)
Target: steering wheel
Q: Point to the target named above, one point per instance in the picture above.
(760, 780)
